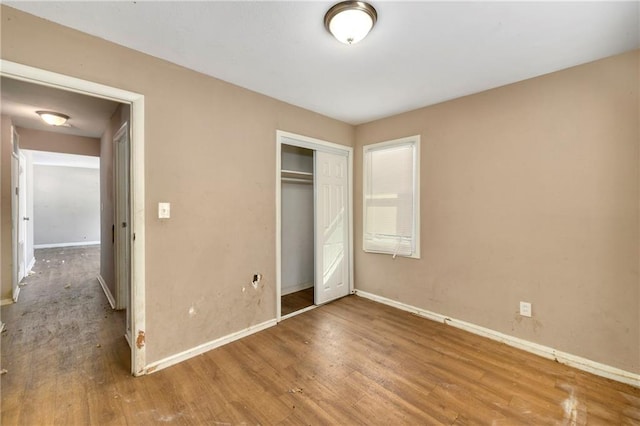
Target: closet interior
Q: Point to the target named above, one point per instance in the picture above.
(297, 170)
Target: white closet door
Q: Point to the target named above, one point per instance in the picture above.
(332, 239)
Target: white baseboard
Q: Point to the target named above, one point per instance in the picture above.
(30, 266)
(298, 312)
(205, 347)
(294, 288)
(571, 360)
(106, 291)
(56, 245)
(13, 299)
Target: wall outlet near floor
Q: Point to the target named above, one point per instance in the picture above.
(525, 309)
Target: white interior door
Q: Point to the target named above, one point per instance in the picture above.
(15, 167)
(122, 222)
(22, 216)
(332, 226)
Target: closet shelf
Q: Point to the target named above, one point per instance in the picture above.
(294, 174)
(296, 180)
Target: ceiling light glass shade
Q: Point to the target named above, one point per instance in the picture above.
(53, 118)
(350, 21)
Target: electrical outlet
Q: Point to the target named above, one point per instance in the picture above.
(525, 309)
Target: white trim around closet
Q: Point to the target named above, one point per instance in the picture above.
(287, 138)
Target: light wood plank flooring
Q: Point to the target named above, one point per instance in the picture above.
(295, 301)
(346, 363)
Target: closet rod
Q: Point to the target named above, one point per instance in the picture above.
(297, 172)
(295, 180)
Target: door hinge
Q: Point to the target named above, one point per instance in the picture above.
(17, 191)
(134, 236)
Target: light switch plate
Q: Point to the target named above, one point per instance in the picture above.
(164, 210)
(525, 309)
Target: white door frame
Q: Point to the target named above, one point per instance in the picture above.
(136, 100)
(286, 138)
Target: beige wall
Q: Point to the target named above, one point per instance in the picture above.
(210, 151)
(529, 192)
(40, 140)
(6, 148)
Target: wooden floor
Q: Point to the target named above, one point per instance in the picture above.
(346, 363)
(295, 301)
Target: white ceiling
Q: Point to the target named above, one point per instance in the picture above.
(418, 54)
(89, 116)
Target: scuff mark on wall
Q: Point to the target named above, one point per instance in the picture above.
(520, 322)
(252, 300)
(140, 340)
(256, 280)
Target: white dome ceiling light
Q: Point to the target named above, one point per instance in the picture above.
(53, 118)
(350, 21)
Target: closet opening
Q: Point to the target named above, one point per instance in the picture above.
(297, 282)
(314, 260)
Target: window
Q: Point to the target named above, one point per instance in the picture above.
(392, 197)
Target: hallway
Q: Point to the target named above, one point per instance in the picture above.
(62, 341)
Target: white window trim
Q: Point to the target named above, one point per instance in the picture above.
(415, 140)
